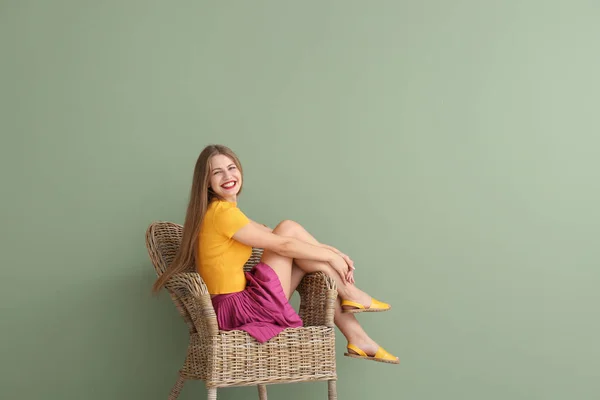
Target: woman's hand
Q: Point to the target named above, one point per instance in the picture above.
(349, 275)
(341, 266)
(344, 256)
(348, 261)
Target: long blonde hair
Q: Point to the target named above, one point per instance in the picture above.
(200, 198)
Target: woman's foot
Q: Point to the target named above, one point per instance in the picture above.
(358, 301)
(369, 350)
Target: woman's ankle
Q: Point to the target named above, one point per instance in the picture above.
(352, 293)
(366, 344)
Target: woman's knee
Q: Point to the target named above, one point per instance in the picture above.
(288, 228)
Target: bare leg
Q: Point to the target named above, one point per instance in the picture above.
(290, 273)
(291, 277)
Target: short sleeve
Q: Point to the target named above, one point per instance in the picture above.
(229, 221)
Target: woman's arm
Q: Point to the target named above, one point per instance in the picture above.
(344, 256)
(256, 235)
(261, 226)
(260, 236)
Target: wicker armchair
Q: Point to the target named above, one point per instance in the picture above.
(234, 358)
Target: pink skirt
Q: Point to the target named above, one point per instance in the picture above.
(261, 309)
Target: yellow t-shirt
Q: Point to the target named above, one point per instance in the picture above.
(221, 259)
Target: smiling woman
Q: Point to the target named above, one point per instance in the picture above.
(218, 239)
(225, 178)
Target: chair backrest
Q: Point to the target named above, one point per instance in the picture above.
(162, 242)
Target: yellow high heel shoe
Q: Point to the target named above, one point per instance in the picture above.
(354, 307)
(380, 356)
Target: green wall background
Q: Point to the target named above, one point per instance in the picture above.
(451, 148)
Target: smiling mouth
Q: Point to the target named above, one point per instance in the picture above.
(229, 185)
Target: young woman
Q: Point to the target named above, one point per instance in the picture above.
(218, 239)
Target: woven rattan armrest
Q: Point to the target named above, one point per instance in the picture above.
(318, 295)
(191, 290)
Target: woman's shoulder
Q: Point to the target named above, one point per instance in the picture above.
(219, 208)
(217, 212)
(225, 217)
(221, 205)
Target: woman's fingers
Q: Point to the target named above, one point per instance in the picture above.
(341, 272)
(348, 261)
(350, 276)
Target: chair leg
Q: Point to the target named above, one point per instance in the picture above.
(332, 389)
(262, 392)
(212, 394)
(177, 388)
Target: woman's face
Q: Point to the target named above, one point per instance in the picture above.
(225, 177)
